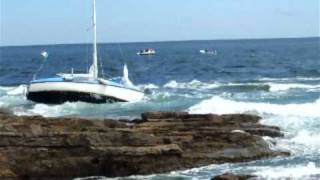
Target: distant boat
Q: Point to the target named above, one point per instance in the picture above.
(210, 52)
(146, 52)
(88, 87)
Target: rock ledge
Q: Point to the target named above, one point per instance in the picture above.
(63, 148)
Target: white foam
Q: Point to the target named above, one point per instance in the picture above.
(220, 105)
(308, 142)
(9, 100)
(171, 84)
(196, 84)
(59, 110)
(20, 90)
(149, 86)
(293, 172)
(86, 109)
(288, 86)
(5, 88)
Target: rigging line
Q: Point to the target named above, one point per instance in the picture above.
(44, 59)
(101, 67)
(121, 53)
(40, 68)
(36, 74)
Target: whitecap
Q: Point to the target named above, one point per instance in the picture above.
(5, 88)
(149, 86)
(171, 84)
(60, 110)
(309, 142)
(293, 172)
(20, 90)
(288, 86)
(219, 105)
(194, 84)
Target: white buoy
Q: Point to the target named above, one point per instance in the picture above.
(44, 54)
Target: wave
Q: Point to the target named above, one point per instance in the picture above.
(291, 79)
(5, 88)
(220, 105)
(265, 86)
(148, 86)
(309, 140)
(197, 85)
(293, 172)
(20, 90)
(82, 109)
(194, 84)
(172, 94)
(288, 86)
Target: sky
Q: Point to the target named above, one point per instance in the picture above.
(34, 22)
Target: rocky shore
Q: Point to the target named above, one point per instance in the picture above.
(63, 148)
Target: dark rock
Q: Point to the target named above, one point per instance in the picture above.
(5, 111)
(265, 131)
(63, 148)
(230, 176)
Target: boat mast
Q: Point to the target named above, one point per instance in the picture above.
(95, 51)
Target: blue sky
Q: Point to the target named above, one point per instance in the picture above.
(29, 22)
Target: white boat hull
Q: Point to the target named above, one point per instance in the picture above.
(83, 87)
(60, 92)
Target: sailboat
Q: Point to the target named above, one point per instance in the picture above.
(88, 87)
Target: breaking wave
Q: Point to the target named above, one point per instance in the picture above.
(307, 171)
(221, 105)
(288, 86)
(244, 86)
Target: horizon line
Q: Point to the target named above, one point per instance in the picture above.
(161, 41)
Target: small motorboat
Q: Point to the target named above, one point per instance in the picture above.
(146, 52)
(210, 52)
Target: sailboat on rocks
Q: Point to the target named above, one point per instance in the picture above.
(87, 87)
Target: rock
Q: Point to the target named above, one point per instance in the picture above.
(5, 111)
(230, 176)
(34, 147)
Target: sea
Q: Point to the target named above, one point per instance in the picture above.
(277, 79)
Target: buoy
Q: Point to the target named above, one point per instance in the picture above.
(44, 54)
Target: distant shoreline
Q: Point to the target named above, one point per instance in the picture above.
(164, 41)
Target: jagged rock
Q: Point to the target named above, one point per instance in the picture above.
(63, 148)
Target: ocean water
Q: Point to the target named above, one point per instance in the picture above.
(278, 79)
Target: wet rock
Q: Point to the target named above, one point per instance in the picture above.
(35, 147)
(5, 111)
(230, 176)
